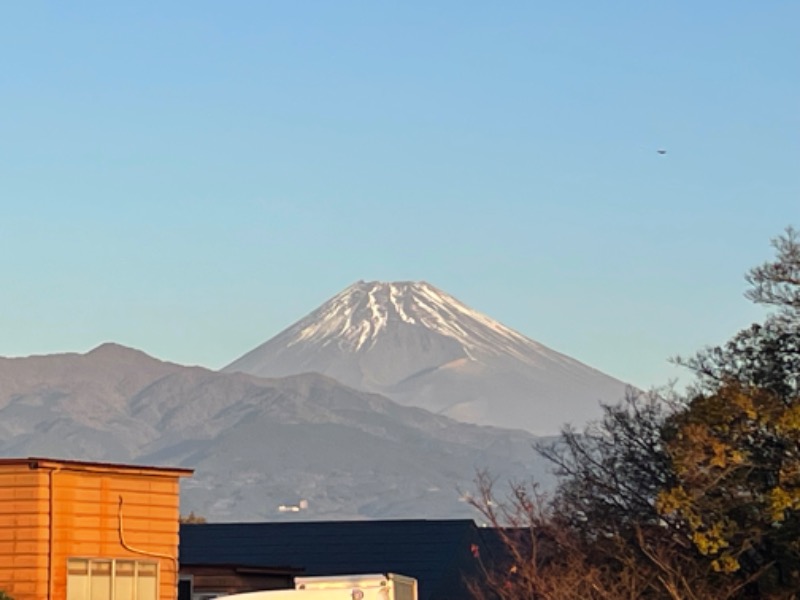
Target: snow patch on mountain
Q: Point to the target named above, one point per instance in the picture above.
(356, 317)
(421, 346)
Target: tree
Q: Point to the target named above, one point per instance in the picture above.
(192, 518)
(611, 473)
(544, 557)
(777, 283)
(763, 356)
(735, 456)
(694, 496)
(735, 449)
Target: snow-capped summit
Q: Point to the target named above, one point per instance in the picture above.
(356, 318)
(420, 346)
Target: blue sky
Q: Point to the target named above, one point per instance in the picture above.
(189, 178)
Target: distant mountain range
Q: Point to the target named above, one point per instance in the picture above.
(421, 347)
(256, 444)
(382, 403)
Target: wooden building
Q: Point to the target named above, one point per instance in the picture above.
(72, 530)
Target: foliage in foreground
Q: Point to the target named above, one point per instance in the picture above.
(693, 496)
(191, 518)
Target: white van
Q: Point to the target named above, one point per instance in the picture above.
(388, 586)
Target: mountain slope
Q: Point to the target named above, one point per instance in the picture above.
(420, 346)
(255, 443)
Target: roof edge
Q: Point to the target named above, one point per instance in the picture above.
(36, 462)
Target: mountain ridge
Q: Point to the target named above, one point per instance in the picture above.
(423, 347)
(255, 443)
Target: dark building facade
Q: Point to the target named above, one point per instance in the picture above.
(442, 555)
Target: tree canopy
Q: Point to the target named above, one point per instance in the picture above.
(693, 495)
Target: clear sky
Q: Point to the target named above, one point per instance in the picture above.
(189, 178)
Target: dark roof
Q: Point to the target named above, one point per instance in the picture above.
(439, 554)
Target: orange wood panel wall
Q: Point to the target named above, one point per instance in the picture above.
(99, 511)
(23, 532)
(87, 522)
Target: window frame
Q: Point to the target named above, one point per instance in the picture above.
(112, 561)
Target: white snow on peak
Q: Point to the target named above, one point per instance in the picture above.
(422, 347)
(394, 294)
(355, 318)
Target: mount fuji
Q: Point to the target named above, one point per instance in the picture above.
(421, 347)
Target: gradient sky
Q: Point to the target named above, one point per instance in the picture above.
(189, 178)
